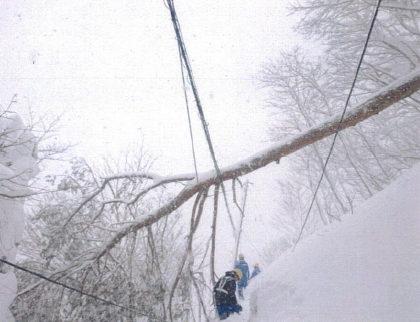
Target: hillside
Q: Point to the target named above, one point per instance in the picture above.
(365, 268)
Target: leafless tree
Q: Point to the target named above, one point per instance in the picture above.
(88, 243)
(370, 155)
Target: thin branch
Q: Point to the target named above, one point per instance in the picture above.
(202, 196)
(213, 234)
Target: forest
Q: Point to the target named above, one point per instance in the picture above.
(125, 240)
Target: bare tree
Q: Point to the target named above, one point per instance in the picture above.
(99, 220)
(303, 93)
(104, 219)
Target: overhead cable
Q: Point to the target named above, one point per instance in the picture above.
(188, 114)
(184, 54)
(341, 120)
(108, 302)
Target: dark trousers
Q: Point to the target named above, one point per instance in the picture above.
(226, 310)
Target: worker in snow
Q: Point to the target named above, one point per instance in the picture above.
(256, 271)
(224, 294)
(243, 266)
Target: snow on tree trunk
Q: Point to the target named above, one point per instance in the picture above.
(17, 166)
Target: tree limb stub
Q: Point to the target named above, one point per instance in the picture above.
(396, 91)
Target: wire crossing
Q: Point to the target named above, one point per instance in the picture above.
(108, 302)
(188, 113)
(341, 120)
(187, 64)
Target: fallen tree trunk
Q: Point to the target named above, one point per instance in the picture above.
(396, 91)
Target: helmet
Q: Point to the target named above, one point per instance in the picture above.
(238, 272)
(241, 256)
(256, 265)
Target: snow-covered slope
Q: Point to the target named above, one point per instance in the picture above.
(365, 268)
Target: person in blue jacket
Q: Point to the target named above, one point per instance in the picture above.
(224, 294)
(243, 266)
(256, 271)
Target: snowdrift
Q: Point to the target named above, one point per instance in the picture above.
(365, 268)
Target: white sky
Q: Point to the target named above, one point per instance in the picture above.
(113, 68)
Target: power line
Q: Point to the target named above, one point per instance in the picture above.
(341, 120)
(72, 288)
(188, 113)
(184, 55)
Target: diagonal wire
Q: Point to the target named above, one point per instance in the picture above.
(341, 120)
(188, 113)
(184, 54)
(73, 289)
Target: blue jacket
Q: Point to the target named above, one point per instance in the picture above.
(255, 272)
(243, 266)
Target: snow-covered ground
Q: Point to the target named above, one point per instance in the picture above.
(365, 268)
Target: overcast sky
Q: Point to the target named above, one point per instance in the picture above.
(113, 68)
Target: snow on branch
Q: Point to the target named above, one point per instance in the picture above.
(393, 93)
(157, 181)
(401, 6)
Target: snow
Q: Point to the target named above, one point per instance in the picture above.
(8, 286)
(17, 166)
(365, 268)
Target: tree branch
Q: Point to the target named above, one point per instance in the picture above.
(393, 93)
